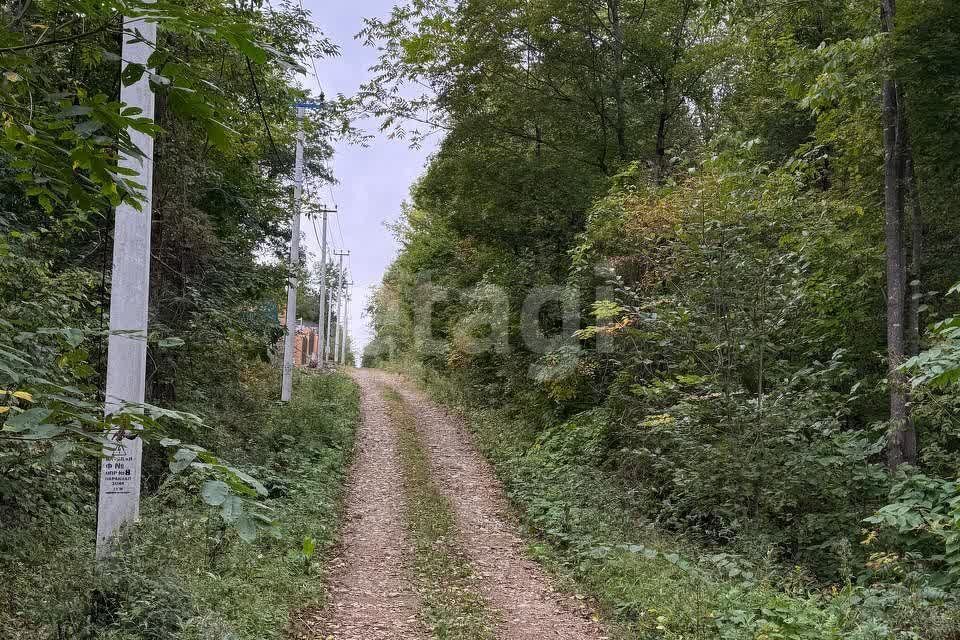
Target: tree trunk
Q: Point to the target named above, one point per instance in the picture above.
(661, 159)
(616, 28)
(901, 446)
(915, 269)
(667, 110)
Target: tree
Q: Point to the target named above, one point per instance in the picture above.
(902, 447)
(219, 191)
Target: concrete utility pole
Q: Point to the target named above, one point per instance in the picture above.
(321, 316)
(341, 309)
(119, 495)
(341, 327)
(338, 332)
(346, 324)
(286, 386)
(329, 320)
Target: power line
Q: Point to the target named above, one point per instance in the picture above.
(337, 249)
(327, 161)
(316, 235)
(313, 61)
(263, 115)
(340, 232)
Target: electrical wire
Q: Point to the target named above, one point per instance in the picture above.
(333, 198)
(327, 165)
(340, 232)
(316, 234)
(313, 61)
(263, 115)
(316, 76)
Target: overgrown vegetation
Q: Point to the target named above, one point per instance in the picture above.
(181, 572)
(224, 77)
(697, 251)
(586, 526)
(452, 607)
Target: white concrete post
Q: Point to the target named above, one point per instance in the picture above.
(322, 315)
(337, 326)
(321, 356)
(327, 338)
(119, 495)
(346, 325)
(287, 384)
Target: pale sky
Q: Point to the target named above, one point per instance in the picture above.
(375, 180)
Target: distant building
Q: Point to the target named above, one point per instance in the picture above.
(306, 342)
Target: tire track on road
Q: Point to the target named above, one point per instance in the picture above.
(516, 587)
(372, 594)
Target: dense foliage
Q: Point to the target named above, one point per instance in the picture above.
(183, 573)
(219, 204)
(225, 76)
(705, 182)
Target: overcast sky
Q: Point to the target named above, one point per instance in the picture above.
(374, 180)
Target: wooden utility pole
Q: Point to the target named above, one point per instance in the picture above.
(119, 494)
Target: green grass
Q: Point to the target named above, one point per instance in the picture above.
(181, 575)
(451, 605)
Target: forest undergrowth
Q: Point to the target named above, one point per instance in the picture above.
(180, 572)
(583, 524)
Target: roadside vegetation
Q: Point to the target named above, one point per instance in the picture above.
(239, 493)
(584, 525)
(181, 572)
(693, 265)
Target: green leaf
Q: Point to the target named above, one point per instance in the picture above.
(60, 451)
(44, 432)
(232, 509)
(168, 343)
(241, 40)
(88, 127)
(246, 527)
(27, 421)
(182, 459)
(214, 492)
(131, 74)
(220, 134)
(75, 110)
(250, 481)
(73, 336)
(157, 79)
(607, 309)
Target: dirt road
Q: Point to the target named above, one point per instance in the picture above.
(375, 588)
